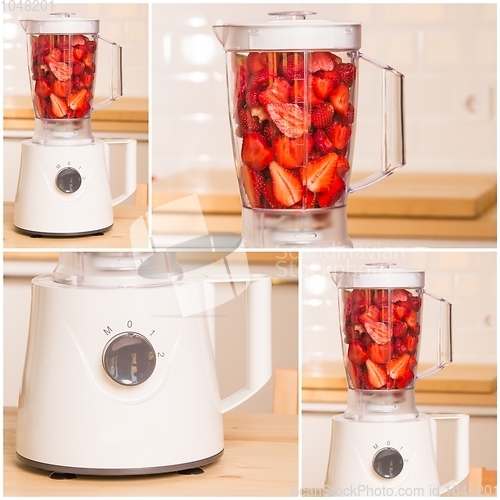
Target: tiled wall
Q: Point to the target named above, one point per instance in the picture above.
(126, 24)
(467, 279)
(446, 51)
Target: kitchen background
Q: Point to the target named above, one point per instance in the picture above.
(447, 53)
(467, 279)
(127, 24)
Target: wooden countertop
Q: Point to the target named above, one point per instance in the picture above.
(260, 459)
(455, 384)
(126, 114)
(126, 217)
(403, 205)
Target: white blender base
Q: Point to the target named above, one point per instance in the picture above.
(295, 228)
(42, 208)
(355, 444)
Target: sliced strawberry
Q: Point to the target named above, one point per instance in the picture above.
(323, 82)
(379, 332)
(321, 173)
(400, 295)
(77, 100)
(62, 42)
(349, 115)
(380, 298)
(309, 199)
(61, 70)
(401, 309)
(247, 122)
(411, 319)
(42, 88)
(340, 98)
(256, 61)
(61, 89)
(416, 303)
(277, 92)
(91, 46)
(322, 115)
(88, 60)
(321, 142)
(398, 347)
(321, 61)
(292, 66)
(360, 295)
(78, 40)
(379, 354)
(405, 379)
(289, 118)
(354, 375)
(399, 329)
(291, 153)
(377, 376)
(347, 73)
(339, 134)
(77, 68)
(53, 56)
(371, 314)
(297, 93)
(255, 152)
(253, 183)
(411, 341)
(287, 187)
(397, 367)
(87, 80)
(357, 353)
(83, 110)
(413, 362)
(58, 106)
(270, 200)
(270, 131)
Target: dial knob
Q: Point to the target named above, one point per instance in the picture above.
(388, 463)
(68, 180)
(129, 359)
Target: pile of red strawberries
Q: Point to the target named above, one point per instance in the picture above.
(293, 113)
(382, 333)
(63, 69)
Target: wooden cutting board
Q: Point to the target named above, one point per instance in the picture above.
(459, 196)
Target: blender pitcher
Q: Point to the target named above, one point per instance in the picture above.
(292, 87)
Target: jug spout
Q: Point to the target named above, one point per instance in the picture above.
(221, 31)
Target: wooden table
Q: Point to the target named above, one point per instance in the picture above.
(129, 230)
(260, 459)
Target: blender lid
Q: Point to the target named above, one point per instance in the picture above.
(60, 23)
(117, 269)
(379, 275)
(288, 31)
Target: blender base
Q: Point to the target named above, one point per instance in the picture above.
(38, 234)
(84, 471)
(295, 228)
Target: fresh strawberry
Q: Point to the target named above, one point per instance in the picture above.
(347, 73)
(342, 166)
(400, 295)
(413, 362)
(253, 183)
(91, 46)
(323, 82)
(340, 98)
(416, 302)
(321, 61)
(53, 56)
(270, 200)
(354, 375)
(371, 314)
(398, 347)
(87, 80)
(405, 379)
(83, 109)
(270, 131)
(399, 329)
(292, 66)
(77, 68)
(401, 308)
(78, 40)
(287, 187)
(410, 341)
(61, 89)
(339, 134)
(377, 376)
(379, 332)
(277, 92)
(289, 118)
(397, 367)
(291, 153)
(379, 354)
(322, 115)
(77, 100)
(411, 319)
(256, 61)
(357, 353)
(255, 152)
(321, 142)
(42, 88)
(247, 122)
(88, 60)
(61, 70)
(309, 198)
(58, 107)
(79, 51)
(349, 115)
(321, 172)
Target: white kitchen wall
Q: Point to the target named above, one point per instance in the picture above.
(467, 279)
(126, 24)
(446, 51)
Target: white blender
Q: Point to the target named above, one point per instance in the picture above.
(292, 96)
(64, 187)
(120, 377)
(382, 445)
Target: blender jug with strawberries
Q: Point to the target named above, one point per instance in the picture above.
(382, 439)
(292, 85)
(64, 187)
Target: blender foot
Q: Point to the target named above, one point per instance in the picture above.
(62, 475)
(191, 472)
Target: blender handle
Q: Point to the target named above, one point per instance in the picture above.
(116, 87)
(461, 448)
(445, 355)
(393, 129)
(259, 338)
(130, 177)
